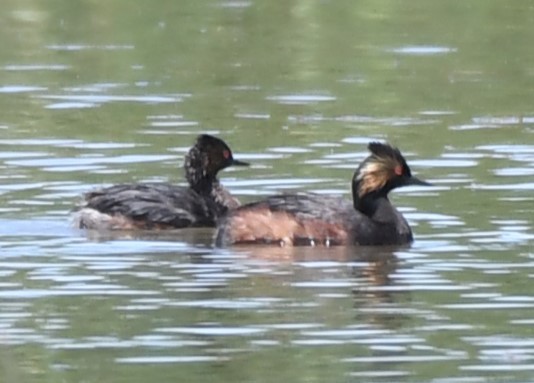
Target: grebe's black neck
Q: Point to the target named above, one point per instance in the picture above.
(371, 203)
(198, 176)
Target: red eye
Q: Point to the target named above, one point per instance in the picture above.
(226, 154)
(398, 170)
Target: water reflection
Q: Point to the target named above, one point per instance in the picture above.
(180, 238)
(188, 303)
(378, 297)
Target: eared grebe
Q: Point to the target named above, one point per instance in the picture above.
(307, 219)
(163, 205)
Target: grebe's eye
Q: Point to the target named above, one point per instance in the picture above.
(398, 170)
(226, 154)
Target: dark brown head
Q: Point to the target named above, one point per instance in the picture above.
(384, 170)
(206, 158)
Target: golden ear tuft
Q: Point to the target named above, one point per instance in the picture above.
(373, 175)
(385, 163)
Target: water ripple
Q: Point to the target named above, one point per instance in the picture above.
(213, 331)
(300, 99)
(423, 50)
(36, 67)
(101, 99)
(171, 359)
(20, 89)
(81, 47)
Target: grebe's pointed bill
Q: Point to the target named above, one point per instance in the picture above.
(417, 181)
(239, 163)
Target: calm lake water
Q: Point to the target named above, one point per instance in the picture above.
(94, 93)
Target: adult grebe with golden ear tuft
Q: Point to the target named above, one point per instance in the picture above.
(308, 219)
(163, 205)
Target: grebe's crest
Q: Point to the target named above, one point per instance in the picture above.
(383, 165)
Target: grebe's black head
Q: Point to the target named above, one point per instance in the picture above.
(206, 158)
(384, 170)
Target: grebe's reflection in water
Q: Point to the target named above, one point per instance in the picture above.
(367, 273)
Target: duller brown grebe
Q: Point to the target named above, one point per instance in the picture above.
(306, 219)
(163, 205)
